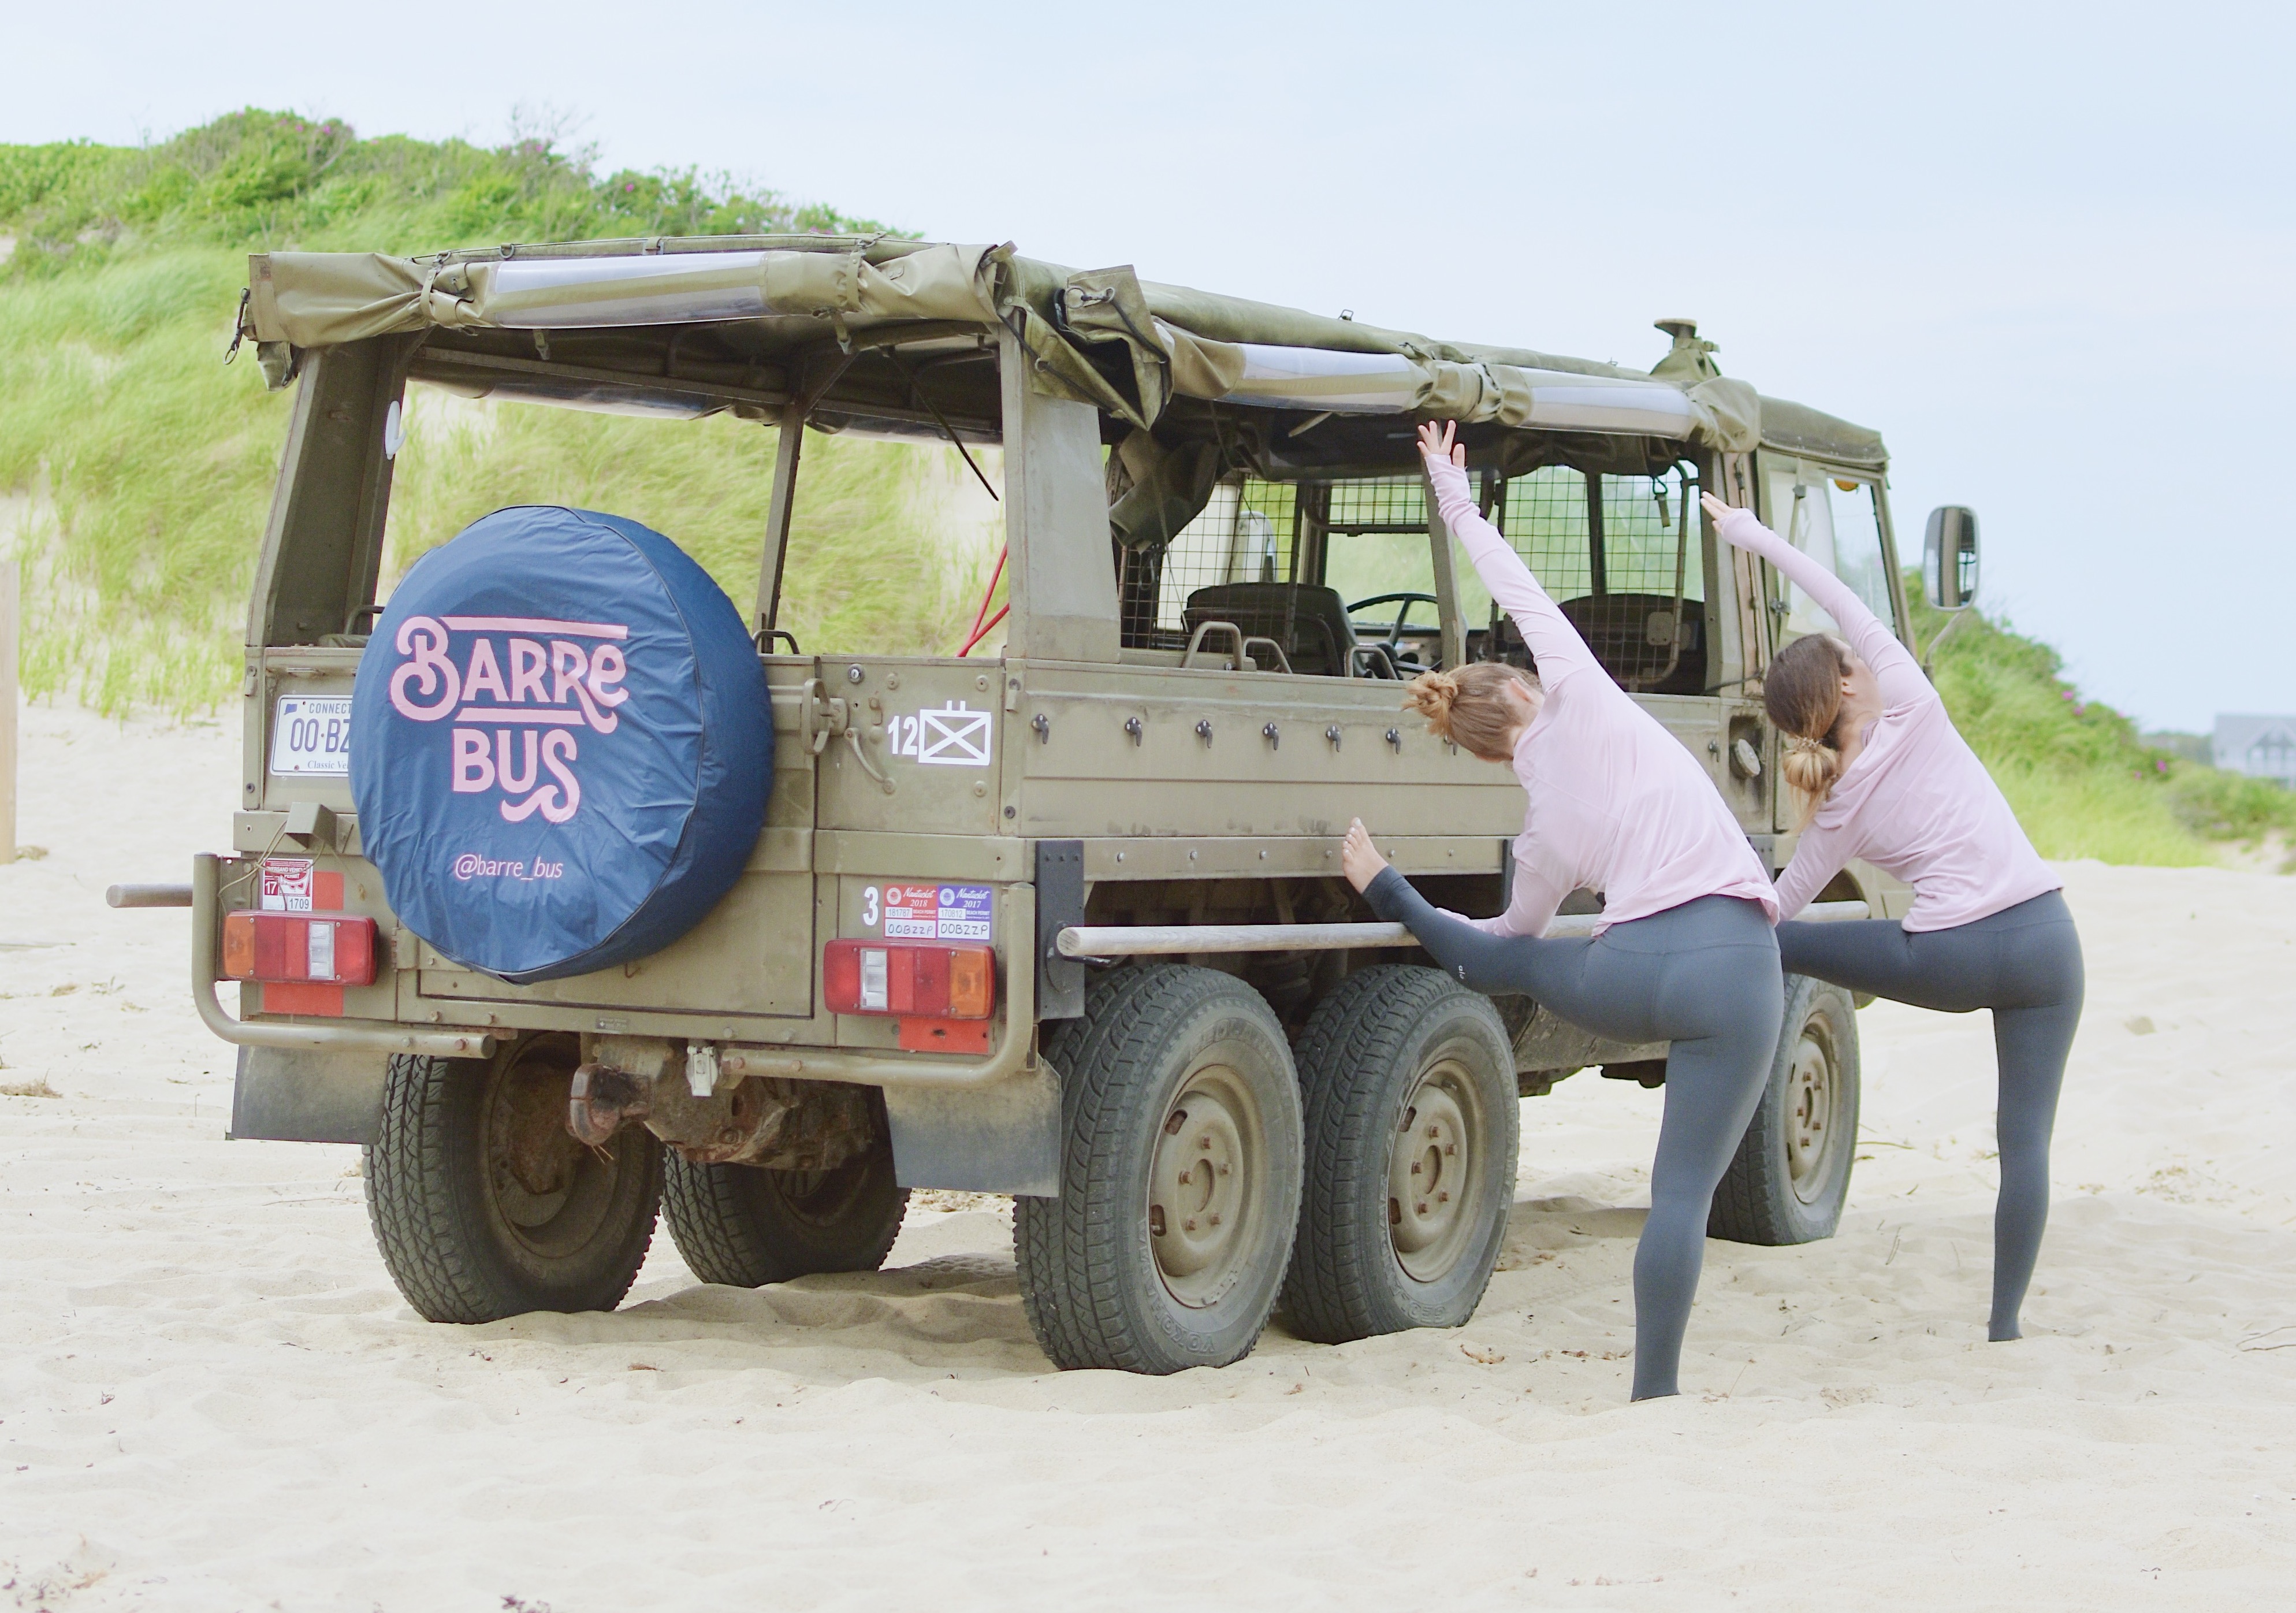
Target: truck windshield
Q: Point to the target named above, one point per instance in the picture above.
(1831, 520)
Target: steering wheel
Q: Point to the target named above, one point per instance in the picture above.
(1403, 603)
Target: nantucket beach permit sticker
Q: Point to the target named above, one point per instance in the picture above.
(934, 913)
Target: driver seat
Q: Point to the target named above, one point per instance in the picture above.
(1311, 623)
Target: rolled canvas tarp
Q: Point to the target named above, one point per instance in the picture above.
(319, 299)
(1180, 342)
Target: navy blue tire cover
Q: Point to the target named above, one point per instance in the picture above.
(560, 744)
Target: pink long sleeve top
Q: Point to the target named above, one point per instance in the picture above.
(1917, 801)
(1617, 804)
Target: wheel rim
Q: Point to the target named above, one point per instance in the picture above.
(550, 1194)
(1434, 1173)
(819, 1198)
(1203, 1182)
(1810, 1106)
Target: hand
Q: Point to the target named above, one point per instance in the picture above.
(1359, 859)
(1440, 442)
(1715, 510)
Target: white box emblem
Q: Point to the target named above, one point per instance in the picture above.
(954, 736)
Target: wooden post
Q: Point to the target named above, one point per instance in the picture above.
(8, 618)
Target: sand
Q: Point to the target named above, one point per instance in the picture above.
(211, 1396)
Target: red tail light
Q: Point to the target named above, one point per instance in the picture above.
(909, 978)
(331, 948)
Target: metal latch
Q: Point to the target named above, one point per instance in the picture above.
(825, 716)
(701, 1069)
(821, 719)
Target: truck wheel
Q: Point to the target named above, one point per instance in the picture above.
(1791, 1176)
(483, 1203)
(1179, 1177)
(1413, 1124)
(745, 1226)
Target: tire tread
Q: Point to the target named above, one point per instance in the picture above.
(1330, 1295)
(1072, 1282)
(424, 1220)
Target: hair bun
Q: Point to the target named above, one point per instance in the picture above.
(1432, 694)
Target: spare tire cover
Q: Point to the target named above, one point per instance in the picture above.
(560, 744)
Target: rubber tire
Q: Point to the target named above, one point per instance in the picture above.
(744, 1226)
(1089, 1281)
(439, 1224)
(1756, 1202)
(1360, 1059)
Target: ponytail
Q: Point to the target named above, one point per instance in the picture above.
(1802, 694)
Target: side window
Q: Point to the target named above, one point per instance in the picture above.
(1613, 551)
(1243, 535)
(1377, 556)
(1832, 520)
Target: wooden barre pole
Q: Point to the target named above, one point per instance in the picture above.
(1151, 941)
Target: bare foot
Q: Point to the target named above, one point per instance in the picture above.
(1359, 859)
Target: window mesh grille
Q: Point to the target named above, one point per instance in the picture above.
(1587, 538)
(1243, 535)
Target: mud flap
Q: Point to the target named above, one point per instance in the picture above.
(1000, 1139)
(292, 1096)
(1059, 903)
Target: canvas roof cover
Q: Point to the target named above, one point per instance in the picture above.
(1173, 342)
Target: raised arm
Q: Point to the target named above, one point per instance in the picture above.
(1531, 904)
(1817, 858)
(1553, 642)
(1895, 671)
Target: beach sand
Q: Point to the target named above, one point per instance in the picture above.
(212, 1397)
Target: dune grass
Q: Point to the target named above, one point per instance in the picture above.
(138, 468)
(2079, 776)
(889, 544)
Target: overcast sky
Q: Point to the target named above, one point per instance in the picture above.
(2046, 250)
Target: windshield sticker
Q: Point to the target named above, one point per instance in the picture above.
(286, 884)
(966, 912)
(912, 912)
(934, 913)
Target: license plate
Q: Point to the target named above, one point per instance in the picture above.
(312, 734)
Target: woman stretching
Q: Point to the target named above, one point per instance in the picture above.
(1887, 779)
(1685, 952)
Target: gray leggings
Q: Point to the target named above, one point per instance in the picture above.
(1703, 976)
(2024, 963)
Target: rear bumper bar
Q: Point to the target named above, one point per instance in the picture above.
(870, 1069)
(351, 1036)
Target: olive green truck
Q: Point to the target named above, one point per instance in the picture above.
(1060, 919)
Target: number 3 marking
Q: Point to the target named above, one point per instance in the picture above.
(869, 905)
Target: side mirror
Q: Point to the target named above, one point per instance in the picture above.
(1949, 557)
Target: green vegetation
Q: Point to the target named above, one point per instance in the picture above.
(135, 469)
(2083, 781)
(256, 180)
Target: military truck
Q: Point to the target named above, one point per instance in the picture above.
(1064, 921)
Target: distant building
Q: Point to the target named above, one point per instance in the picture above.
(2265, 747)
